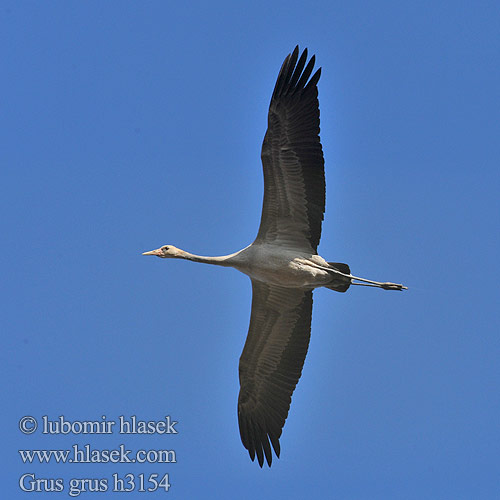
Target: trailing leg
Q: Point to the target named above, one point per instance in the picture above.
(343, 270)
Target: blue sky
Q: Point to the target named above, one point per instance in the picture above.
(128, 125)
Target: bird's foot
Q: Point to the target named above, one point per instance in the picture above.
(393, 286)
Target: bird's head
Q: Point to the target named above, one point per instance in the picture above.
(166, 251)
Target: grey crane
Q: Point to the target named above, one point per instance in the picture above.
(282, 262)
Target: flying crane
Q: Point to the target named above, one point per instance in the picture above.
(282, 262)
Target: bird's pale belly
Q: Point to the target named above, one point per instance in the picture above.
(286, 269)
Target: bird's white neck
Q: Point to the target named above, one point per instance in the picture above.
(223, 260)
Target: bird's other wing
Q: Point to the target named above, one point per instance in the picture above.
(292, 158)
(271, 364)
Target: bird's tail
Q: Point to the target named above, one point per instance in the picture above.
(340, 283)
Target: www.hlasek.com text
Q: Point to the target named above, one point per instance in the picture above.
(85, 454)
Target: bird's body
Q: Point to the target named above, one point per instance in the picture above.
(283, 267)
(271, 264)
(282, 262)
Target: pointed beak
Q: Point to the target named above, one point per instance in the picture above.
(153, 252)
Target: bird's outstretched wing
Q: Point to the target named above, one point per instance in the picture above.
(292, 158)
(271, 364)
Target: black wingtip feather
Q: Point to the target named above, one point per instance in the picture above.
(276, 444)
(306, 73)
(298, 70)
(267, 449)
(287, 77)
(279, 80)
(258, 443)
(314, 80)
